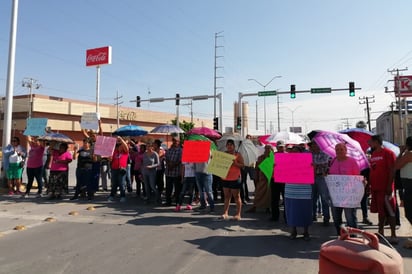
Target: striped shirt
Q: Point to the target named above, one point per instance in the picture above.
(298, 191)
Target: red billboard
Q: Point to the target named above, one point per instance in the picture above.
(99, 56)
(403, 84)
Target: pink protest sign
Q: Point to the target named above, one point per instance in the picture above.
(294, 168)
(104, 146)
(195, 151)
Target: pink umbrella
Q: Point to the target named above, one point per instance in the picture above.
(327, 140)
(205, 131)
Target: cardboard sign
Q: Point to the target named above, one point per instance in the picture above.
(345, 190)
(90, 120)
(104, 146)
(294, 168)
(195, 151)
(220, 163)
(36, 127)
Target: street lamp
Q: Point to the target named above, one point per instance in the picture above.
(293, 120)
(264, 97)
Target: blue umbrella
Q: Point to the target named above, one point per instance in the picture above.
(130, 130)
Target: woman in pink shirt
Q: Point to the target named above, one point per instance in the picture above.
(59, 167)
(343, 165)
(34, 165)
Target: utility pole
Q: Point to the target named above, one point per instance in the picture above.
(117, 104)
(31, 84)
(398, 93)
(365, 100)
(215, 77)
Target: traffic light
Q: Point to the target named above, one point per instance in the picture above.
(239, 123)
(177, 99)
(351, 89)
(216, 123)
(138, 101)
(292, 91)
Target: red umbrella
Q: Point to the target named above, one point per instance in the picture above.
(205, 131)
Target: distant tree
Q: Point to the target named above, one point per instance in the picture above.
(186, 126)
(361, 124)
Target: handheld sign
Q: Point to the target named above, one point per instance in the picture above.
(220, 163)
(195, 151)
(90, 120)
(294, 168)
(345, 190)
(104, 146)
(35, 127)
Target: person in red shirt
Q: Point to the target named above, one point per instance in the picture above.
(381, 177)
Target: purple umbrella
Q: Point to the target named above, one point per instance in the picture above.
(327, 141)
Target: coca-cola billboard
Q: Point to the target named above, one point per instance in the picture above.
(99, 56)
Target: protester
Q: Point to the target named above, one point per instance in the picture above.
(84, 172)
(262, 189)
(247, 170)
(160, 169)
(173, 174)
(13, 162)
(137, 170)
(189, 181)
(150, 163)
(231, 183)
(343, 165)
(204, 185)
(320, 163)
(34, 166)
(118, 169)
(277, 189)
(381, 175)
(59, 167)
(298, 206)
(404, 164)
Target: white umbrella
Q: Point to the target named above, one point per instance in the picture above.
(244, 146)
(286, 136)
(167, 129)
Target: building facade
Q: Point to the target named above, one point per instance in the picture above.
(64, 116)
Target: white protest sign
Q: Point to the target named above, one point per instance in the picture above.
(345, 190)
(90, 120)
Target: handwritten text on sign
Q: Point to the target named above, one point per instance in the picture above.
(345, 190)
(195, 151)
(36, 127)
(220, 163)
(104, 146)
(294, 168)
(90, 120)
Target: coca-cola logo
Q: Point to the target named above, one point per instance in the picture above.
(98, 56)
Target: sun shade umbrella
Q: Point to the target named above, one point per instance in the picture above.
(56, 137)
(167, 129)
(327, 140)
(130, 130)
(286, 136)
(205, 131)
(363, 136)
(244, 146)
(195, 137)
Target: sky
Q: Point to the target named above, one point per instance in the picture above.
(164, 47)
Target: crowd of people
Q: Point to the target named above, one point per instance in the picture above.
(158, 176)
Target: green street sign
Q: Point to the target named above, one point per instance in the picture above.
(320, 90)
(267, 93)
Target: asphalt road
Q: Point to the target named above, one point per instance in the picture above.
(112, 237)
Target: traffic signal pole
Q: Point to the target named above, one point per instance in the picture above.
(278, 92)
